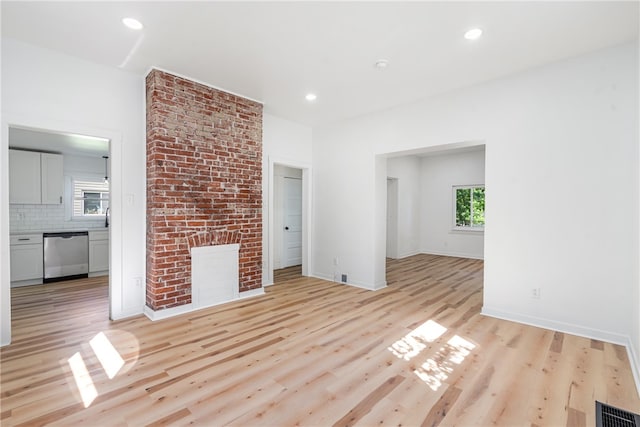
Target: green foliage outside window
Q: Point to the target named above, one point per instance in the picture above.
(470, 207)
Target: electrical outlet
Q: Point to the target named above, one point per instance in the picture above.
(535, 293)
(335, 261)
(138, 281)
(344, 278)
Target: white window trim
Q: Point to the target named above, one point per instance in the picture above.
(457, 228)
(70, 199)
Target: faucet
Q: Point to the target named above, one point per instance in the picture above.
(106, 217)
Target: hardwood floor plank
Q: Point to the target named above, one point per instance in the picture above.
(287, 274)
(440, 410)
(171, 418)
(308, 352)
(364, 406)
(576, 418)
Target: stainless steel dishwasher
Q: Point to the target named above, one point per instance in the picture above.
(66, 255)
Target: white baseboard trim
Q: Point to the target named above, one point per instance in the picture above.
(166, 313)
(452, 254)
(355, 284)
(251, 293)
(127, 314)
(322, 277)
(189, 308)
(568, 328)
(633, 361)
(365, 286)
(31, 282)
(99, 273)
(572, 329)
(408, 254)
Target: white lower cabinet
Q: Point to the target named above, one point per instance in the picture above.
(98, 253)
(26, 259)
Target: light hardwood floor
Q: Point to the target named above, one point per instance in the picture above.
(288, 273)
(309, 352)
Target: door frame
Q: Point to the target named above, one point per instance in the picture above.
(115, 223)
(307, 259)
(392, 229)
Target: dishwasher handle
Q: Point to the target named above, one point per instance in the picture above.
(66, 235)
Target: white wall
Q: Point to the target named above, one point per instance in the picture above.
(406, 170)
(49, 90)
(344, 207)
(285, 143)
(438, 175)
(562, 199)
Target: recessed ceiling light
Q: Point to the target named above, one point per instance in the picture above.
(310, 97)
(473, 34)
(132, 23)
(381, 64)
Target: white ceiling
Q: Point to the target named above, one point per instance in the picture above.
(61, 143)
(276, 52)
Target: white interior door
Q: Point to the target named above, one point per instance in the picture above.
(392, 218)
(292, 221)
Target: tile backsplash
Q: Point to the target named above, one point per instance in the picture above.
(46, 217)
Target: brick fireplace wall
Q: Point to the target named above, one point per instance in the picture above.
(204, 183)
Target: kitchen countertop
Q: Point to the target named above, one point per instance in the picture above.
(71, 230)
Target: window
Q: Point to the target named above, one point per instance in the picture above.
(90, 198)
(469, 207)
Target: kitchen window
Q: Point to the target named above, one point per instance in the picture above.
(90, 198)
(468, 202)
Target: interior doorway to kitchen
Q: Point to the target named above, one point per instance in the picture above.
(59, 185)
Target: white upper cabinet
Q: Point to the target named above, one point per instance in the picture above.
(24, 177)
(51, 172)
(35, 178)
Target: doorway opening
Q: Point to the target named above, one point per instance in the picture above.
(59, 191)
(287, 223)
(289, 234)
(423, 206)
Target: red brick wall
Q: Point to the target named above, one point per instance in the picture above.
(204, 183)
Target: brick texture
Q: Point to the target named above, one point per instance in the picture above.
(204, 183)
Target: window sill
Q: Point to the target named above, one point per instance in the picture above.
(88, 218)
(466, 231)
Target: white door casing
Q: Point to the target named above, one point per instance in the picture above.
(392, 218)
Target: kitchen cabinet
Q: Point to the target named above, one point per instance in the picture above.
(24, 177)
(51, 178)
(26, 259)
(35, 178)
(98, 253)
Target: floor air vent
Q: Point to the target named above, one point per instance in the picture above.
(608, 416)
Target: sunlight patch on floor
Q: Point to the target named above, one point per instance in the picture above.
(110, 360)
(83, 379)
(438, 368)
(415, 341)
(108, 356)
